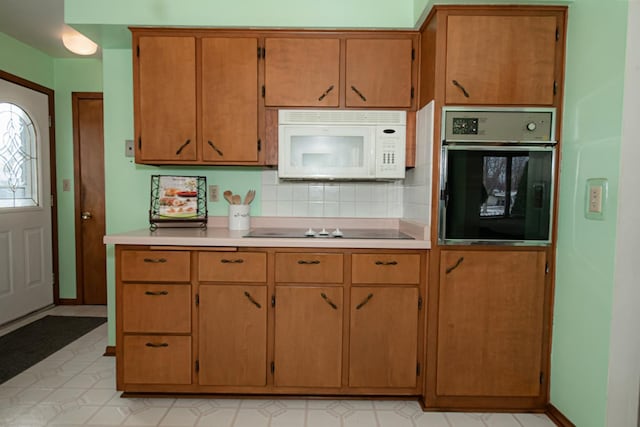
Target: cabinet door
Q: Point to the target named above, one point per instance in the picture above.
(166, 101)
(302, 72)
(308, 336)
(378, 73)
(229, 99)
(490, 323)
(383, 336)
(500, 59)
(233, 335)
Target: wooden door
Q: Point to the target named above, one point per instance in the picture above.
(165, 99)
(500, 59)
(308, 336)
(88, 144)
(229, 99)
(302, 72)
(233, 335)
(383, 336)
(378, 73)
(490, 322)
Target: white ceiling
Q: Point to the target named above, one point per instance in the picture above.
(37, 23)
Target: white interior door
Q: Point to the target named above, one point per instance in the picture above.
(26, 267)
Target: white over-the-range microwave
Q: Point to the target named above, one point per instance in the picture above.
(341, 144)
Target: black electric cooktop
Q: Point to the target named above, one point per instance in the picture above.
(346, 233)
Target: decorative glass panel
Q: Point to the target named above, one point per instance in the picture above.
(18, 158)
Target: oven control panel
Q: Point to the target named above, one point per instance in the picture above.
(498, 125)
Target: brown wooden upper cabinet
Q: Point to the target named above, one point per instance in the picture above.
(195, 98)
(165, 99)
(306, 71)
(302, 72)
(378, 73)
(493, 55)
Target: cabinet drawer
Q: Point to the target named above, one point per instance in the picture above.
(385, 268)
(309, 268)
(157, 359)
(155, 266)
(156, 308)
(232, 267)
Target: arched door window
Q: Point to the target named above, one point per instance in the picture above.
(18, 158)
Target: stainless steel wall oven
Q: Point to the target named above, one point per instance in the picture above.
(497, 172)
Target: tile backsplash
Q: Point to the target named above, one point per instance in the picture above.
(330, 199)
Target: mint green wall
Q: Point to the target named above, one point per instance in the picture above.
(24, 61)
(272, 13)
(70, 75)
(586, 248)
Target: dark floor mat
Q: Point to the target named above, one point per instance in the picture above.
(31, 343)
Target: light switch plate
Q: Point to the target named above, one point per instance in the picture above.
(595, 198)
(213, 193)
(128, 148)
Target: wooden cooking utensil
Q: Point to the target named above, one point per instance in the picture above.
(251, 194)
(228, 196)
(236, 199)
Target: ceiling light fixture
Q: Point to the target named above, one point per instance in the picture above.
(78, 44)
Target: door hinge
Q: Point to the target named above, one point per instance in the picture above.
(138, 51)
(419, 303)
(264, 53)
(417, 369)
(555, 87)
(49, 121)
(259, 145)
(259, 52)
(541, 377)
(139, 143)
(273, 300)
(412, 92)
(557, 33)
(52, 200)
(197, 300)
(263, 91)
(197, 366)
(273, 368)
(53, 278)
(413, 54)
(546, 268)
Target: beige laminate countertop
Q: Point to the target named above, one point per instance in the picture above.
(217, 234)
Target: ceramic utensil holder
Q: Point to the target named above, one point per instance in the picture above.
(239, 217)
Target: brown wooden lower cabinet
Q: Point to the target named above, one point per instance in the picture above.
(157, 359)
(491, 317)
(232, 347)
(383, 336)
(308, 336)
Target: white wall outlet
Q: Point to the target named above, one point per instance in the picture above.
(214, 191)
(66, 184)
(595, 198)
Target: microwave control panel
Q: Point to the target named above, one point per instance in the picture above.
(507, 125)
(390, 152)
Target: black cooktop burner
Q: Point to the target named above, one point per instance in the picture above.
(346, 233)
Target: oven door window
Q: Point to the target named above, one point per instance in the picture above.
(500, 194)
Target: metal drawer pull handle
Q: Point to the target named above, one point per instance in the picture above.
(156, 293)
(250, 298)
(353, 88)
(326, 92)
(326, 298)
(304, 262)
(386, 262)
(157, 345)
(454, 266)
(217, 150)
(364, 302)
(187, 142)
(232, 261)
(464, 91)
(155, 260)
